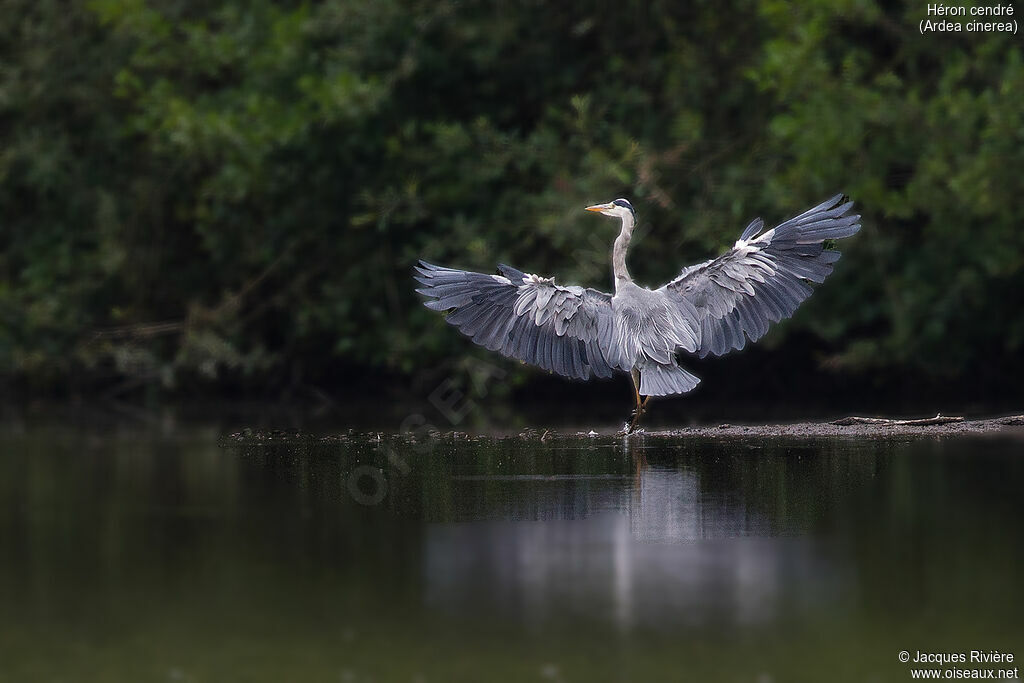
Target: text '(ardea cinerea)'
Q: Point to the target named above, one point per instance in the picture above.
(710, 308)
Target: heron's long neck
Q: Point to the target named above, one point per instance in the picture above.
(619, 251)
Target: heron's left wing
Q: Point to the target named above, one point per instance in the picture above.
(565, 330)
(763, 278)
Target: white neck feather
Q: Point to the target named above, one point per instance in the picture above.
(620, 248)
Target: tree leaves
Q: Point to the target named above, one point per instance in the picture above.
(161, 159)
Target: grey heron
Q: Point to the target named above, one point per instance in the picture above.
(709, 308)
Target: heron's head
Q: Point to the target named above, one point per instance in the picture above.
(619, 208)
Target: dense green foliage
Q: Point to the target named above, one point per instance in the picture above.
(237, 190)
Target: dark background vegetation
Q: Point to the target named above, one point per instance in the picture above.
(227, 198)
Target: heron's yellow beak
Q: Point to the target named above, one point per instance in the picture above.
(597, 207)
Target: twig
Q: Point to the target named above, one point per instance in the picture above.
(140, 330)
(939, 419)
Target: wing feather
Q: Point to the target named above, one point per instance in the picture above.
(763, 278)
(566, 330)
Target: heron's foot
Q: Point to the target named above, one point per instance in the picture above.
(630, 427)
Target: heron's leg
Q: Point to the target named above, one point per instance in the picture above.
(635, 374)
(637, 414)
(639, 409)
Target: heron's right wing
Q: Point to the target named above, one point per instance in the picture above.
(763, 278)
(566, 330)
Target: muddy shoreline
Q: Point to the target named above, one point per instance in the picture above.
(1012, 426)
(1000, 425)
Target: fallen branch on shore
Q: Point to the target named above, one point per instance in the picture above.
(939, 419)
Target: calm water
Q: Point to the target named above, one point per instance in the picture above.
(139, 557)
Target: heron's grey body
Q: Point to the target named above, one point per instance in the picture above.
(710, 308)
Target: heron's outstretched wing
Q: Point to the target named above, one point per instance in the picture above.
(562, 329)
(763, 278)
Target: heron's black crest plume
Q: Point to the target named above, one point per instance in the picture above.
(626, 205)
